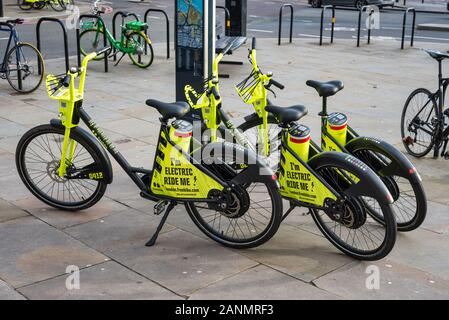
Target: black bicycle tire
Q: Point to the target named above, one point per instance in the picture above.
(21, 147)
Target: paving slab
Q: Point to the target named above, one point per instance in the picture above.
(8, 293)
(9, 144)
(13, 188)
(181, 261)
(261, 283)
(7, 164)
(33, 251)
(62, 219)
(299, 253)
(128, 228)
(106, 281)
(9, 211)
(9, 128)
(437, 218)
(396, 281)
(423, 250)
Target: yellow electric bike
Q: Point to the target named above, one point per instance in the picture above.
(397, 173)
(334, 186)
(67, 168)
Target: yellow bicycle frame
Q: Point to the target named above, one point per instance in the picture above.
(68, 97)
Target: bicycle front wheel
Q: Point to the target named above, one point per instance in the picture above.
(23, 63)
(142, 51)
(419, 123)
(38, 156)
(90, 41)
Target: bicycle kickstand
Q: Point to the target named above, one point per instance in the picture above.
(169, 208)
(120, 59)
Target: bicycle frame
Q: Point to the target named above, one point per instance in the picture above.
(13, 37)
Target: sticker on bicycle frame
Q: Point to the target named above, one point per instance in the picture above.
(297, 182)
(96, 176)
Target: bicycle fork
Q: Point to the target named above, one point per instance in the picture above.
(68, 146)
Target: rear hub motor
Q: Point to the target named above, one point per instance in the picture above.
(349, 212)
(232, 204)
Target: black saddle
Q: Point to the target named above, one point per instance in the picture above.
(326, 89)
(169, 110)
(437, 55)
(289, 114)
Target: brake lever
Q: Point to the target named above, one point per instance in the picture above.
(272, 91)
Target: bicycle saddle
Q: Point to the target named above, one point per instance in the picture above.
(15, 21)
(437, 54)
(169, 110)
(288, 114)
(326, 89)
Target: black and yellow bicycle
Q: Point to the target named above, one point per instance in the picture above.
(395, 170)
(228, 192)
(334, 186)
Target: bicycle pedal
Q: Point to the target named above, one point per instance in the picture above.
(159, 207)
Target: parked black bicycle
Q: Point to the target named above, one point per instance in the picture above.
(423, 122)
(21, 62)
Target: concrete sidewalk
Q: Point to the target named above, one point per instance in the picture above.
(37, 243)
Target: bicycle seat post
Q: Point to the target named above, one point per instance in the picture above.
(323, 112)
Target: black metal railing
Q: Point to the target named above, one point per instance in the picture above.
(105, 39)
(322, 23)
(370, 14)
(404, 22)
(167, 23)
(290, 6)
(227, 19)
(64, 34)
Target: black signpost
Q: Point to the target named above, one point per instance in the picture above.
(194, 43)
(239, 12)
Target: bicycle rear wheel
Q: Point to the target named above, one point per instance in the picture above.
(246, 216)
(349, 226)
(22, 68)
(24, 5)
(57, 5)
(419, 123)
(142, 54)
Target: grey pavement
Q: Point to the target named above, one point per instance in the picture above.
(106, 242)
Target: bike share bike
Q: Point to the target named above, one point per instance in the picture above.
(424, 122)
(57, 5)
(133, 41)
(21, 61)
(395, 170)
(67, 168)
(335, 187)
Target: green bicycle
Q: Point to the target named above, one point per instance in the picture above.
(133, 40)
(335, 187)
(395, 170)
(57, 5)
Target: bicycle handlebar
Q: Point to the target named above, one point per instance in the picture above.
(276, 84)
(253, 44)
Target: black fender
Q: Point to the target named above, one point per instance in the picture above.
(370, 185)
(399, 166)
(94, 144)
(257, 169)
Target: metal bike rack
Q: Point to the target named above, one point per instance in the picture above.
(364, 8)
(78, 44)
(322, 23)
(123, 15)
(287, 5)
(64, 33)
(404, 21)
(167, 27)
(227, 19)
